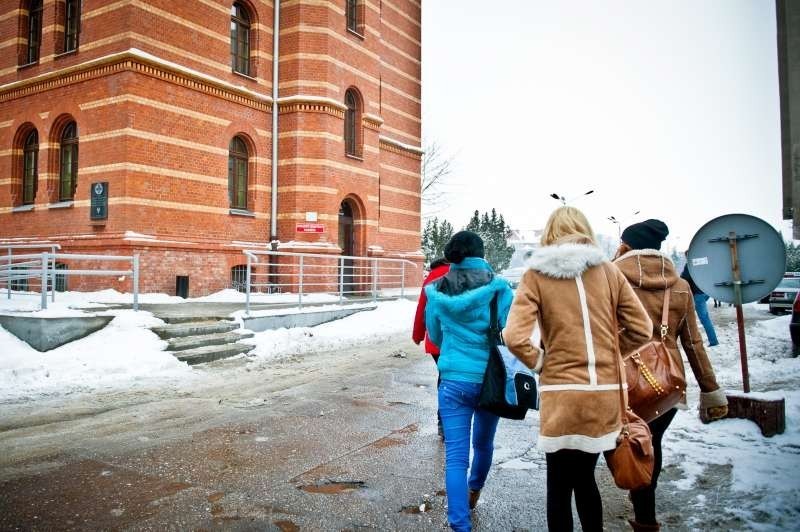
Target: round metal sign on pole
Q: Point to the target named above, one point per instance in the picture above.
(738, 258)
(760, 254)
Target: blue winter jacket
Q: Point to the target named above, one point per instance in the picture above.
(457, 317)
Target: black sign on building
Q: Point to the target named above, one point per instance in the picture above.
(99, 202)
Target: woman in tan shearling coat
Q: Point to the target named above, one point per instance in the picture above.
(650, 272)
(572, 292)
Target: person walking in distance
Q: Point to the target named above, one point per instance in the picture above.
(457, 319)
(701, 306)
(650, 272)
(574, 293)
(439, 268)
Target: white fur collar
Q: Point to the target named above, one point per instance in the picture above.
(565, 261)
(644, 252)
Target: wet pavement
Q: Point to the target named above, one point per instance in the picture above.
(339, 441)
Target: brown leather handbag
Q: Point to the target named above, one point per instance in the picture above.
(633, 460)
(655, 382)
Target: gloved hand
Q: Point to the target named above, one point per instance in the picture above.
(713, 405)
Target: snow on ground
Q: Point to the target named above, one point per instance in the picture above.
(123, 355)
(126, 355)
(389, 318)
(30, 301)
(762, 470)
(282, 311)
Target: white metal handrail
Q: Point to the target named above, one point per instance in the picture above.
(10, 257)
(43, 270)
(350, 275)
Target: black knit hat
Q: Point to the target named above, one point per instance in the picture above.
(462, 245)
(648, 234)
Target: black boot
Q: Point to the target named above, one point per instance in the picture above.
(644, 527)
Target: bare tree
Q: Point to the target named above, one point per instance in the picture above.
(436, 166)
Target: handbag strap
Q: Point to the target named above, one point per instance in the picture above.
(493, 332)
(615, 333)
(665, 315)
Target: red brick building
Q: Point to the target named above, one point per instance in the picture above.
(171, 103)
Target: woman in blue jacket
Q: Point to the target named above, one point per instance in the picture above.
(457, 320)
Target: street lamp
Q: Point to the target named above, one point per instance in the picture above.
(564, 200)
(619, 223)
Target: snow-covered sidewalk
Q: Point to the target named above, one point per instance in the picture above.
(126, 355)
(727, 467)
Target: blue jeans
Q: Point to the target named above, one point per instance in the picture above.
(705, 319)
(458, 405)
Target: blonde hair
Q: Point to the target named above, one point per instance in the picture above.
(567, 224)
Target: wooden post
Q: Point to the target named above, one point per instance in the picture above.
(737, 290)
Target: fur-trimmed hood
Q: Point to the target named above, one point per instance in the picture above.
(649, 269)
(475, 298)
(565, 261)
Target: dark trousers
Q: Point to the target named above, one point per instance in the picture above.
(644, 500)
(435, 358)
(570, 471)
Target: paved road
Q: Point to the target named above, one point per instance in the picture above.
(335, 441)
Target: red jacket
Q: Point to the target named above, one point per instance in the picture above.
(420, 333)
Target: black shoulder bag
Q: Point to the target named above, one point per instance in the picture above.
(509, 387)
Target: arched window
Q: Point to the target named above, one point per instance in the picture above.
(72, 21)
(237, 173)
(34, 33)
(68, 169)
(30, 172)
(240, 39)
(352, 117)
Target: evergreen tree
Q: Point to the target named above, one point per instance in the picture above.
(493, 230)
(792, 257)
(434, 237)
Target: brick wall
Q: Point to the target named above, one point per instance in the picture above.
(157, 103)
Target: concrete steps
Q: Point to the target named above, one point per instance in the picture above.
(195, 328)
(200, 355)
(183, 343)
(203, 339)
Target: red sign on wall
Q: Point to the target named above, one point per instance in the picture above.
(310, 228)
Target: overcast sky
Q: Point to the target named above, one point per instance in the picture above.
(666, 107)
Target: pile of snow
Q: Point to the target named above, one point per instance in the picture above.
(31, 301)
(283, 311)
(124, 354)
(389, 318)
(233, 296)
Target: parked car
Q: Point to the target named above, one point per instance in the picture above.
(782, 298)
(794, 325)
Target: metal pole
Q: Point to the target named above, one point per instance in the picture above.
(247, 288)
(135, 281)
(341, 278)
(8, 279)
(374, 280)
(737, 291)
(402, 279)
(53, 275)
(300, 291)
(45, 259)
(276, 39)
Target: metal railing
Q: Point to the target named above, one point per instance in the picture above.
(15, 272)
(42, 266)
(339, 275)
